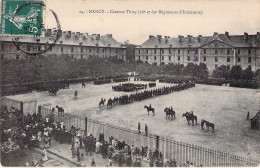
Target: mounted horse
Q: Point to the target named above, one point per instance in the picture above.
(83, 85)
(150, 109)
(169, 113)
(110, 103)
(53, 91)
(102, 103)
(60, 110)
(190, 117)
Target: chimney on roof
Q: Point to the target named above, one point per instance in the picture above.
(199, 38)
(215, 35)
(166, 39)
(180, 38)
(245, 36)
(59, 33)
(98, 37)
(69, 34)
(109, 35)
(258, 35)
(151, 36)
(227, 34)
(159, 38)
(189, 37)
(48, 33)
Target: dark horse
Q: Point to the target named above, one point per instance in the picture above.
(208, 124)
(83, 85)
(169, 112)
(150, 109)
(110, 103)
(102, 103)
(190, 117)
(60, 110)
(53, 91)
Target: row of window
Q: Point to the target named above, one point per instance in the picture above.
(204, 51)
(204, 58)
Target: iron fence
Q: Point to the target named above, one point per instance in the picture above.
(170, 148)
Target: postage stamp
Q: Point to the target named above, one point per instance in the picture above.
(22, 17)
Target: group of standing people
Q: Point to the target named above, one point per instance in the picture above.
(145, 128)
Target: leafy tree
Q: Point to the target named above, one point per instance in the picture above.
(236, 72)
(248, 74)
(221, 72)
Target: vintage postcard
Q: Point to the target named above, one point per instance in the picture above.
(130, 83)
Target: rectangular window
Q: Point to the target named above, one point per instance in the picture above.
(72, 56)
(216, 66)
(162, 57)
(238, 59)
(71, 49)
(122, 57)
(228, 59)
(216, 51)
(39, 48)
(154, 57)
(89, 50)
(17, 57)
(2, 56)
(162, 51)
(138, 57)
(205, 52)
(249, 59)
(249, 51)
(50, 48)
(228, 51)
(179, 58)
(205, 59)
(188, 51)
(81, 56)
(196, 58)
(238, 51)
(138, 51)
(61, 49)
(155, 51)
(146, 57)
(170, 51)
(110, 50)
(188, 58)
(216, 59)
(116, 50)
(97, 50)
(170, 57)
(179, 51)
(28, 48)
(81, 50)
(103, 50)
(196, 51)
(228, 67)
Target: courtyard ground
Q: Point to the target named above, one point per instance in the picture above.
(224, 106)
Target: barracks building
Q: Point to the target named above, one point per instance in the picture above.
(74, 44)
(214, 51)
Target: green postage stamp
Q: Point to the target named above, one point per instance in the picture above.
(22, 17)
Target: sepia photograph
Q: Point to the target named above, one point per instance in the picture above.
(130, 83)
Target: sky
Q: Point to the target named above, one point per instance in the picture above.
(234, 16)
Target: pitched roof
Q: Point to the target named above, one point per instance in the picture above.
(70, 38)
(194, 42)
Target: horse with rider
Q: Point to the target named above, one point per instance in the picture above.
(150, 108)
(190, 117)
(169, 113)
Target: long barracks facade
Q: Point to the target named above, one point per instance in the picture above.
(214, 51)
(74, 44)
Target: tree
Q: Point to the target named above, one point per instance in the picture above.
(221, 72)
(236, 72)
(248, 74)
(257, 73)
